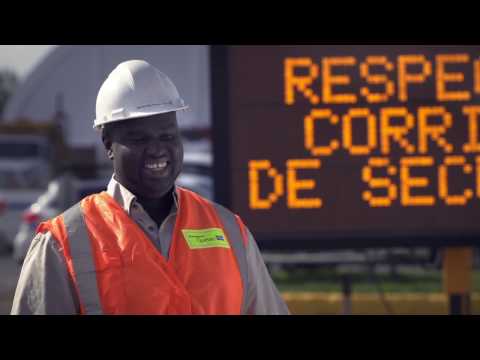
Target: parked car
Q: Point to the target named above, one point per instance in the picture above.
(24, 175)
(197, 173)
(3, 245)
(20, 184)
(61, 194)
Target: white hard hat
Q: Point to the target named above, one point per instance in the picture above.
(135, 89)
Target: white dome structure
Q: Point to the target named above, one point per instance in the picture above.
(74, 74)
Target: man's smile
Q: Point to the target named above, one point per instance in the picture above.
(156, 168)
(158, 165)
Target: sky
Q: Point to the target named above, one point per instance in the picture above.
(22, 58)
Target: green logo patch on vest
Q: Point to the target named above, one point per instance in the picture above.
(205, 238)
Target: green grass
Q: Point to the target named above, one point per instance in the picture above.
(330, 280)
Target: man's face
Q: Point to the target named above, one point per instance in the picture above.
(147, 154)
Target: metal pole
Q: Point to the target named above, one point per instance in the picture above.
(346, 291)
(457, 278)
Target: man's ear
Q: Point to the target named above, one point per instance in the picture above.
(110, 154)
(107, 142)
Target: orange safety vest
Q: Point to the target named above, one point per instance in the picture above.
(128, 275)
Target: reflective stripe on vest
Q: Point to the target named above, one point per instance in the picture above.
(82, 257)
(239, 247)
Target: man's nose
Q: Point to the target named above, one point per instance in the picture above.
(155, 147)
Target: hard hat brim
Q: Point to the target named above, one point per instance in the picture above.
(97, 124)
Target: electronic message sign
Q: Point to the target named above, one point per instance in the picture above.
(334, 146)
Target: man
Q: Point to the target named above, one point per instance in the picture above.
(145, 246)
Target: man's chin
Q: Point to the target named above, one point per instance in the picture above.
(156, 192)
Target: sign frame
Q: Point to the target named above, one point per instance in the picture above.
(219, 65)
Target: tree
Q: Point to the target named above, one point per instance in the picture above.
(8, 83)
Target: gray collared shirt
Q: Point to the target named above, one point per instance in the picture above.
(45, 287)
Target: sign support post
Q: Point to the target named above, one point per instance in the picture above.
(347, 295)
(457, 278)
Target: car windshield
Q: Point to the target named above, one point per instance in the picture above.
(30, 178)
(196, 169)
(16, 150)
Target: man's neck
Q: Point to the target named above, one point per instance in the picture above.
(158, 209)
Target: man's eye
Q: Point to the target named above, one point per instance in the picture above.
(137, 138)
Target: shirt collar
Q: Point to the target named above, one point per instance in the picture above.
(126, 199)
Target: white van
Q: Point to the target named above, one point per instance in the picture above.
(24, 174)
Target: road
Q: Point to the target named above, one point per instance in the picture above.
(9, 271)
